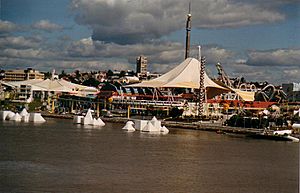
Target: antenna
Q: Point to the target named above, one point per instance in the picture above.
(190, 7)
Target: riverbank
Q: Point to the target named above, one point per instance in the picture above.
(203, 126)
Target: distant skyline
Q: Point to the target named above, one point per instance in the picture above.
(258, 40)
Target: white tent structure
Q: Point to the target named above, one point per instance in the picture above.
(185, 75)
(27, 87)
(245, 95)
(49, 85)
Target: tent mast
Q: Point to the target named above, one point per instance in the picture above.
(188, 31)
(202, 87)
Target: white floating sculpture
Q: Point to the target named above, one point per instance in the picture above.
(3, 115)
(140, 124)
(164, 130)
(154, 126)
(98, 122)
(88, 119)
(25, 118)
(36, 118)
(77, 119)
(156, 123)
(17, 117)
(101, 123)
(24, 112)
(150, 128)
(10, 115)
(129, 126)
(24, 115)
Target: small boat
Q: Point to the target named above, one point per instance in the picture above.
(296, 125)
(284, 135)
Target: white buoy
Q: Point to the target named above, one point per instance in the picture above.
(129, 126)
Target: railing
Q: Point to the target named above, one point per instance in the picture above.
(149, 102)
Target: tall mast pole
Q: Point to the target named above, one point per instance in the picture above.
(202, 86)
(188, 31)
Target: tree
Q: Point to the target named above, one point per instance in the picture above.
(63, 74)
(77, 73)
(91, 82)
(110, 73)
(47, 75)
(175, 112)
(122, 73)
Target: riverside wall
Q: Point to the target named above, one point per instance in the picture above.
(203, 126)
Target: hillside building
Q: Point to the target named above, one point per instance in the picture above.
(292, 91)
(20, 75)
(141, 66)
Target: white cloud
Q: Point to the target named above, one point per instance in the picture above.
(46, 25)
(87, 54)
(138, 21)
(225, 13)
(7, 26)
(19, 42)
(279, 57)
(37, 54)
(215, 54)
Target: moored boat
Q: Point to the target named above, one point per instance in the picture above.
(284, 135)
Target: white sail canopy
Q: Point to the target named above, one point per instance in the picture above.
(60, 85)
(185, 75)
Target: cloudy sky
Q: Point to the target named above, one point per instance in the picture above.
(256, 39)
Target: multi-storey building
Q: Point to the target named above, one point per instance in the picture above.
(292, 91)
(141, 66)
(19, 75)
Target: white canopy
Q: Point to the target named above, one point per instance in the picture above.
(185, 75)
(245, 95)
(60, 85)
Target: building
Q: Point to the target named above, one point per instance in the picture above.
(141, 66)
(292, 91)
(20, 75)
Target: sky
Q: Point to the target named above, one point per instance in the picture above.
(254, 39)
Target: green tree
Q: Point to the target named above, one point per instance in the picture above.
(91, 82)
(110, 73)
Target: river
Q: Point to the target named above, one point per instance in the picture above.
(58, 156)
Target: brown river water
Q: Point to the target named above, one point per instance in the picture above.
(58, 156)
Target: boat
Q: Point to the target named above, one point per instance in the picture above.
(283, 135)
(296, 125)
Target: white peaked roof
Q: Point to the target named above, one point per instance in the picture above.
(185, 75)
